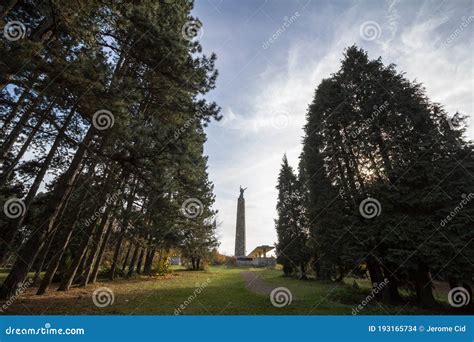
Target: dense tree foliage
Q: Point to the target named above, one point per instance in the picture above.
(292, 251)
(102, 137)
(388, 182)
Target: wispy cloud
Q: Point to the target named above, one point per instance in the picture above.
(266, 92)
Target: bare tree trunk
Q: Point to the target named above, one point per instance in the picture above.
(303, 271)
(392, 286)
(423, 286)
(95, 248)
(63, 242)
(125, 221)
(127, 255)
(376, 278)
(53, 266)
(82, 265)
(13, 136)
(131, 268)
(88, 237)
(140, 260)
(4, 177)
(149, 261)
(100, 256)
(9, 233)
(80, 257)
(29, 251)
(43, 255)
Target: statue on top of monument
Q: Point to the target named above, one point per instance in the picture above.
(242, 191)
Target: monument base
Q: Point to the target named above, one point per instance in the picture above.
(256, 262)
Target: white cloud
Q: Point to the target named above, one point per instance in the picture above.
(285, 83)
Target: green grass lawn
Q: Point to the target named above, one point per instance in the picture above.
(217, 291)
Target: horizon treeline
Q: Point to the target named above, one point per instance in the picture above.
(384, 186)
(102, 116)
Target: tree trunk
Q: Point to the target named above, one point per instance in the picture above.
(100, 256)
(89, 235)
(69, 278)
(80, 270)
(303, 271)
(423, 286)
(8, 172)
(63, 241)
(43, 255)
(13, 136)
(140, 260)
(9, 234)
(149, 261)
(376, 278)
(394, 296)
(125, 220)
(29, 251)
(53, 266)
(131, 268)
(94, 249)
(127, 256)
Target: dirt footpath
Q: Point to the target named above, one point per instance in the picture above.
(255, 283)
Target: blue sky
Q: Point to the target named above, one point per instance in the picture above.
(264, 86)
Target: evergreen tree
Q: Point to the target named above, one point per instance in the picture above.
(122, 177)
(373, 137)
(291, 249)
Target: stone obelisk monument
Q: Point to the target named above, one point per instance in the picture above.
(240, 226)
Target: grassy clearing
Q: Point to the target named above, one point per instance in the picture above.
(217, 291)
(329, 298)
